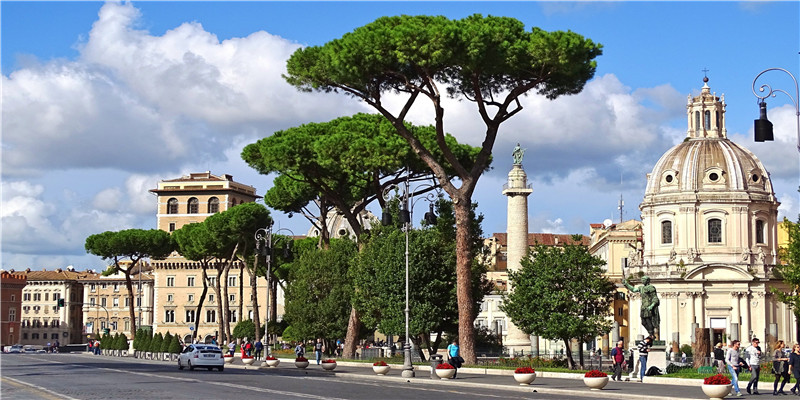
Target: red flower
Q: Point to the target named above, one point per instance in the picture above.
(301, 359)
(329, 361)
(445, 366)
(271, 358)
(595, 374)
(717, 379)
(244, 357)
(524, 370)
(227, 355)
(379, 363)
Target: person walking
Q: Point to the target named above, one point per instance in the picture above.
(753, 354)
(794, 368)
(779, 368)
(318, 349)
(618, 356)
(454, 356)
(231, 347)
(299, 350)
(732, 359)
(259, 348)
(644, 349)
(719, 358)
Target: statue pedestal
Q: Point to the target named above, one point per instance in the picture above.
(656, 357)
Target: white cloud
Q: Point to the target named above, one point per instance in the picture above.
(107, 199)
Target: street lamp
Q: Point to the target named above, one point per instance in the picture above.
(763, 127)
(264, 235)
(406, 215)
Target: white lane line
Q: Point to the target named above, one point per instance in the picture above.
(37, 388)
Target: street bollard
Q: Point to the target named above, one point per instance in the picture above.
(436, 359)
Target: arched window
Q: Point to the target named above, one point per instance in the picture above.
(697, 120)
(666, 232)
(707, 119)
(172, 206)
(759, 231)
(715, 230)
(193, 205)
(213, 205)
(718, 115)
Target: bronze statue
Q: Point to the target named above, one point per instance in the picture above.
(651, 319)
(517, 154)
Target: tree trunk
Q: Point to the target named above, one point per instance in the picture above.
(701, 346)
(242, 267)
(254, 298)
(466, 314)
(200, 302)
(350, 341)
(570, 361)
(580, 354)
(218, 291)
(273, 306)
(226, 321)
(129, 286)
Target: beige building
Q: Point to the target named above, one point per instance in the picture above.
(42, 320)
(106, 304)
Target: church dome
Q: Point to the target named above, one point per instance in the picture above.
(707, 162)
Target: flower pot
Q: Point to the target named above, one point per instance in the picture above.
(596, 383)
(273, 363)
(228, 360)
(525, 379)
(301, 364)
(330, 366)
(248, 361)
(716, 391)
(381, 369)
(445, 373)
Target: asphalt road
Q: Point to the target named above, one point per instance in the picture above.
(78, 376)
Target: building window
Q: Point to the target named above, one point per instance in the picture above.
(102, 286)
(139, 301)
(190, 315)
(91, 300)
(190, 281)
(56, 296)
(26, 297)
(231, 281)
(127, 325)
(212, 281)
(172, 206)
(666, 232)
(193, 205)
(37, 297)
(170, 281)
(211, 315)
(232, 315)
(715, 230)
(34, 336)
(169, 316)
(170, 297)
(127, 302)
(115, 302)
(759, 231)
(56, 323)
(116, 287)
(697, 120)
(47, 297)
(172, 227)
(14, 298)
(232, 298)
(213, 205)
(103, 302)
(211, 298)
(191, 298)
(12, 314)
(92, 287)
(707, 118)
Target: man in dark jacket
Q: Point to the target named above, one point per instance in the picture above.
(618, 356)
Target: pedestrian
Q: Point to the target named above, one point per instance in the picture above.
(753, 354)
(318, 349)
(644, 350)
(719, 358)
(794, 368)
(248, 348)
(779, 368)
(231, 347)
(57, 345)
(454, 356)
(683, 357)
(259, 348)
(618, 357)
(214, 341)
(734, 365)
(299, 350)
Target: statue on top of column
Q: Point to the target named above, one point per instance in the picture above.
(651, 319)
(517, 154)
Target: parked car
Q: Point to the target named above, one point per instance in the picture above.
(30, 350)
(17, 348)
(202, 356)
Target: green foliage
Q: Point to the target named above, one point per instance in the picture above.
(560, 293)
(155, 344)
(175, 345)
(137, 340)
(319, 292)
(166, 342)
(122, 344)
(277, 328)
(147, 337)
(246, 329)
(105, 342)
(789, 271)
(290, 334)
(534, 362)
(686, 348)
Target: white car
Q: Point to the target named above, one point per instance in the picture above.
(17, 348)
(201, 356)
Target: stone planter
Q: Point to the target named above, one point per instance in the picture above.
(445, 373)
(596, 383)
(228, 360)
(329, 366)
(273, 363)
(715, 392)
(525, 379)
(148, 356)
(248, 361)
(301, 364)
(381, 369)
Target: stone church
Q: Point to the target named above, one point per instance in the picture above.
(709, 219)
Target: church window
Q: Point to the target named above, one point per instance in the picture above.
(697, 120)
(669, 178)
(715, 231)
(666, 232)
(707, 119)
(759, 231)
(713, 176)
(755, 177)
(172, 206)
(213, 205)
(717, 115)
(193, 205)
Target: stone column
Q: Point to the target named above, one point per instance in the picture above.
(701, 311)
(746, 327)
(517, 189)
(736, 315)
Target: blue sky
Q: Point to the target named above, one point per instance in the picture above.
(100, 101)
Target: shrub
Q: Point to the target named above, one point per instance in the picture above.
(147, 337)
(595, 374)
(717, 379)
(123, 342)
(155, 344)
(524, 370)
(686, 349)
(175, 345)
(166, 342)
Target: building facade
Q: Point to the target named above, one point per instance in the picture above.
(11, 286)
(106, 303)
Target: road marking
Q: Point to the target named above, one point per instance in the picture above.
(44, 392)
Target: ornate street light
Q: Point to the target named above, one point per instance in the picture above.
(264, 248)
(763, 127)
(406, 215)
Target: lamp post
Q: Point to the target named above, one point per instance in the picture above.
(763, 128)
(264, 235)
(406, 215)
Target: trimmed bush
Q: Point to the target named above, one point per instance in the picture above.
(166, 343)
(123, 342)
(155, 344)
(175, 345)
